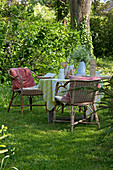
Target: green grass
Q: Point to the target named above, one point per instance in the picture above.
(40, 147)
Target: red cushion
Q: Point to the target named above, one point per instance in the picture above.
(27, 78)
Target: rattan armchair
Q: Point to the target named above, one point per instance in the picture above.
(23, 84)
(80, 96)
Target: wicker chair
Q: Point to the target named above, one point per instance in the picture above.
(23, 84)
(80, 95)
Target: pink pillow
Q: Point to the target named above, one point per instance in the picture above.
(84, 78)
(27, 78)
(66, 98)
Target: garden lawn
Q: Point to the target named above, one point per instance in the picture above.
(40, 147)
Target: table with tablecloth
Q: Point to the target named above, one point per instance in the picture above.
(48, 87)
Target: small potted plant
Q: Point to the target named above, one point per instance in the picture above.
(81, 55)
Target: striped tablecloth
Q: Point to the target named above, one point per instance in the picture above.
(48, 87)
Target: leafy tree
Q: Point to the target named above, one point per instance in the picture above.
(33, 40)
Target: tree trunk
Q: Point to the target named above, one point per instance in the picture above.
(80, 9)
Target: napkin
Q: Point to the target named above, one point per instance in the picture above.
(50, 75)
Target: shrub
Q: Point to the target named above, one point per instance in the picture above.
(79, 54)
(33, 41)
(102, 36)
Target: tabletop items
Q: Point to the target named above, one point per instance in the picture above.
(52, 75)
(98, 73)
(81, 69)
(68, 70)
(61, 74)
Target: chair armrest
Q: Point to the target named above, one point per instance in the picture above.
(40, 77)
(33, 73)
(62, 85)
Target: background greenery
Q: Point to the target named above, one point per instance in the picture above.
(101, 28)
(31, 36)
(32, 40)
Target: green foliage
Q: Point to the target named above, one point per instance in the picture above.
(61, 9)
(5, 149)
(42, 2)
(79, 54)
(86, 37)
(102, 36)
(107, 100)
(106, 104)
(33, 40)
(44, 12)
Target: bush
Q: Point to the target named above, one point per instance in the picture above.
(33, 41)
(102, 36)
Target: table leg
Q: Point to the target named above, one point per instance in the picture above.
(50, 115)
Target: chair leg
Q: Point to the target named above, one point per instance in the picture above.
(84, 112)
(46, 107)
(91, 118)
(72, 119)
(96, 117)
(30, 101)
(62, 109)
(50, 115)
(21, 103)
(54, 116)
(11, 101)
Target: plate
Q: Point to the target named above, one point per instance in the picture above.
(50, 75)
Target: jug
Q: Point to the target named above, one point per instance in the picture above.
(61, 74)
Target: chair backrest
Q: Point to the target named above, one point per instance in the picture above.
(25, 73)
(83, 92)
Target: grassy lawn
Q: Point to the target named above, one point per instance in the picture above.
(40, 147)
